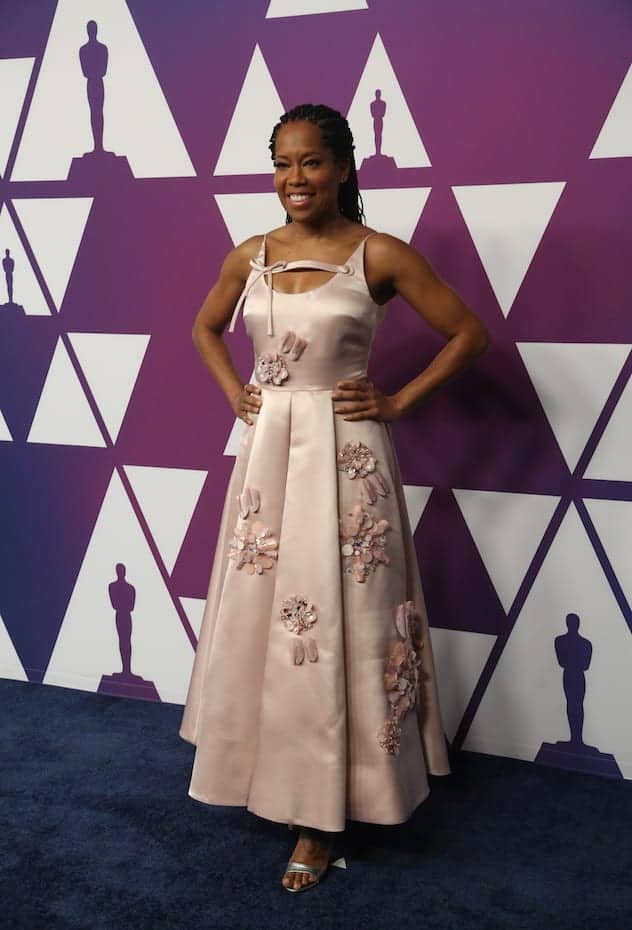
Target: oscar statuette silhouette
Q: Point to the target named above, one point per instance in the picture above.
(125, 683)
(574, 653)
(98, 165)
(374, 166)
(10, 307)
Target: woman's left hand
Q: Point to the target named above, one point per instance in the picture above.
(359, 399)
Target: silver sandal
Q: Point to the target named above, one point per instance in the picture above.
(315, 871)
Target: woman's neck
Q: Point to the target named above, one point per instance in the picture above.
(323, 229)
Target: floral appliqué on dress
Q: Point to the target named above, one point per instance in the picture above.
(357, 460)
(363, 542)
(254, 547)
(271, 367)
(402, 675)
(299, 614)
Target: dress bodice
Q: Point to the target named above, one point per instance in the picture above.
(311, 339)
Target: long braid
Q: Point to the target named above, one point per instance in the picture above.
(337, 136)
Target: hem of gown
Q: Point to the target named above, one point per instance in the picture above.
(310, 823)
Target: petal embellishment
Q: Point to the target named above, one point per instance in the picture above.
(382, 486)
(287, 341)
(400, 621)
(297, 650)
(255, 500)
(298, 348)
(311, 649)
(243, 505)
(367, 490)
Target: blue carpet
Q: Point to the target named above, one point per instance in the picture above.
(98, 833)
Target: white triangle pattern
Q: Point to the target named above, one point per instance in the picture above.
(167, 498)
(14, 79)
(247, 215)
(613, 522)
(5, 433)
(416, 497)
(236, 436)
(26, 290)
(573, 381)
(506, 223)
(258, 107)
(507, 529)
(63, 415)
(396, 211)
(524, 703)
(459, 658)
(278, 8)
(615, 138)
(87, 645)
(400, 138)
(194, 609)
(110, 362)
(138, 123)
(10, 664)
(54, 227)
(612, 459)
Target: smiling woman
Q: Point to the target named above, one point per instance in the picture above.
(312, 165)
(313, 696)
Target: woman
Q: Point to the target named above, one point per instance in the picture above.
(313, 697)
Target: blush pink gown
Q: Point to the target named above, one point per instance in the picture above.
(313, 696)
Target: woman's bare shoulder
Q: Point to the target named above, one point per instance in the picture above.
(237, 261)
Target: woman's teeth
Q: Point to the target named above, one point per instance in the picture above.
(300, 198)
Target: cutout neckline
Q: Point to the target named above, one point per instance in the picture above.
(318, 287)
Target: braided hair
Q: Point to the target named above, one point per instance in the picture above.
(337, 136)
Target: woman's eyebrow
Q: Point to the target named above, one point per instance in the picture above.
(282, 155)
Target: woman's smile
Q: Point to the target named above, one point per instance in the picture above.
(299, 200)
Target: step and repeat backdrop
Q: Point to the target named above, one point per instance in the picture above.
(497, 140)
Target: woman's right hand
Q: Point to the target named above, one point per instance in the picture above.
(246, 402)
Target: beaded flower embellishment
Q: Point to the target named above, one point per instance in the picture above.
(402, 675)
(363, 539)
(254, 547)
(271, 367)
(299, 614)
(357, 461)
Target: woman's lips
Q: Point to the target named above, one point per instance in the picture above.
(305, 199)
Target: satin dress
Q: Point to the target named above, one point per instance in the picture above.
(313, 697)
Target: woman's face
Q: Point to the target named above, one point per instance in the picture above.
(306, 176)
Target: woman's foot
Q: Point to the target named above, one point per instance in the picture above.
(313, 848)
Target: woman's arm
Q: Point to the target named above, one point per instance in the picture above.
(211, 321)
(393, 267)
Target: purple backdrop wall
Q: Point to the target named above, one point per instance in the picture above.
(504, 97)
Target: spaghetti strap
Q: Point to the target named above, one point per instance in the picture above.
(266, 271)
